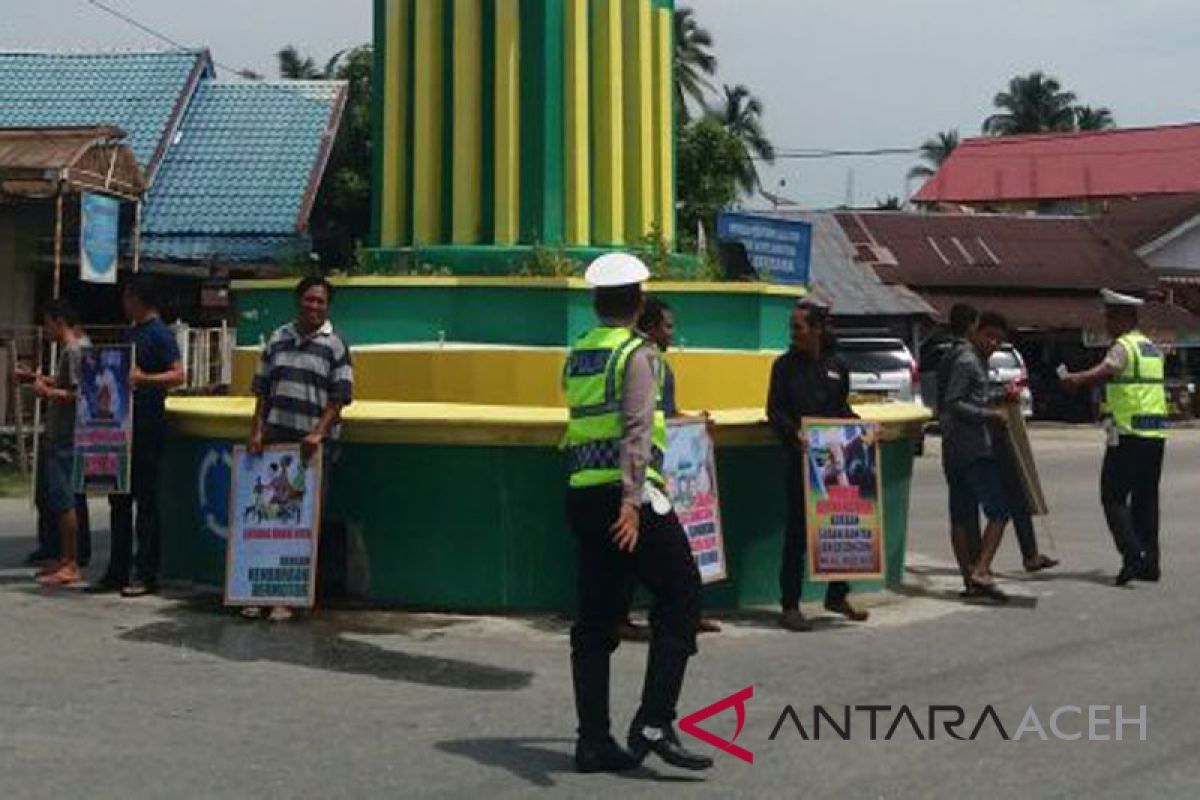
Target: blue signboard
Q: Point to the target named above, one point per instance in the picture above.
(780, 250)
(100, 225)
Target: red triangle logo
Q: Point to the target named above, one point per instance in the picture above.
(737, 702)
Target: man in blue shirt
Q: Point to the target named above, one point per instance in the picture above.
(157, 369)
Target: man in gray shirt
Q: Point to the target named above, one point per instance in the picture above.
(969, 412)
(56, 451)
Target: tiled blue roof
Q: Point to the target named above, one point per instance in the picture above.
(258, 249)
(243, 159)
(136, 91)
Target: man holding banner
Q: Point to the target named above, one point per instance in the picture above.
(304, 380)
(807, 381)
(157, 368)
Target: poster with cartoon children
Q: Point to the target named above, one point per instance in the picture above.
(274, 524)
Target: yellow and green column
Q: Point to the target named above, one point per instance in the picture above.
(503, 124)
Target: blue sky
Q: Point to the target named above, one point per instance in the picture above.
(832, 73)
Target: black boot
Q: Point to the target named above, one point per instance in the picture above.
(596, 750)
(603, 755)
(663, 741)
(652, 730)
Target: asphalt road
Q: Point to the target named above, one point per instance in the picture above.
(164, 697)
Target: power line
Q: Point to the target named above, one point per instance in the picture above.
(243, 73)
(788, 154)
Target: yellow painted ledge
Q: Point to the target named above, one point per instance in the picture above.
(526, 376)
(574, 284)
(465, 425)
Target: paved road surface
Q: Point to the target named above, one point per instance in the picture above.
(167, 698)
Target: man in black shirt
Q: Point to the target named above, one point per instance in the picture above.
(807, 381)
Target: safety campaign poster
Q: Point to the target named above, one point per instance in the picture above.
(843, 501)
(104, 421)
(691, 473)
(275, 520)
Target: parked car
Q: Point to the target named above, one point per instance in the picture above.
(1004, 367)
(883, 368)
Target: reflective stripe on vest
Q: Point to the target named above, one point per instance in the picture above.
(1137, 397)
(594, 382)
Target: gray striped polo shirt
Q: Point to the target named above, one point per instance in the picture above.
(299, 376)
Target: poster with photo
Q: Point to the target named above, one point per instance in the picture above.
(274, 526)
(691, 472)
(104, 421)
(843, 500)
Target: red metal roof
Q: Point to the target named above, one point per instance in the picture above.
(994, 251)
(1063, 166)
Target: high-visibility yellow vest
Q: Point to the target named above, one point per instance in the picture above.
(1137, 397)
(594, 382)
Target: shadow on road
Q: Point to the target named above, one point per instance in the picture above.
(318, 644)
(536, 761)
(952, 595)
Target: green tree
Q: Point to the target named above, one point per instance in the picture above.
(297, 66)
(889, 203)
(709, 170)
(342, 212)
(934, 153)
(1088, 118)
(1033, 103)
(741, 114)
(695, 64)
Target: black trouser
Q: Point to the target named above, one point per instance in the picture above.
(795, 547)
(1129, 491)
(49, 540)
(149, 440)
(663, 563)
(1018, 503)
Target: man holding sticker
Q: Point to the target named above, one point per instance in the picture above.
(623, 524)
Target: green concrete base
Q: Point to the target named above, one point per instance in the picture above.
(481, 528)
(538, 312)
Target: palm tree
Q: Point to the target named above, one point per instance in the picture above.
(1088, 118)
(295, 66)
(1034, 103)
(741, 115)
(694, 63)
(934, 153)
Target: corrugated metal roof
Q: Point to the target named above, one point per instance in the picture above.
(1118, 163)
(244, 159)
(138, 92)
(1060, 312)
(1139, 221)
(995, 251)
(849, 287)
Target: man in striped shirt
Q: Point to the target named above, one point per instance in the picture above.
(304, 377)
(303, 382)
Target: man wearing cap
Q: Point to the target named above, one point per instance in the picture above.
(1135, 408)
(624, 525)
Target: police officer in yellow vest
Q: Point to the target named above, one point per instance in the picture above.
(1135, 408)
(624, 525)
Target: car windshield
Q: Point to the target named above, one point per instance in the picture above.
(879, 360)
